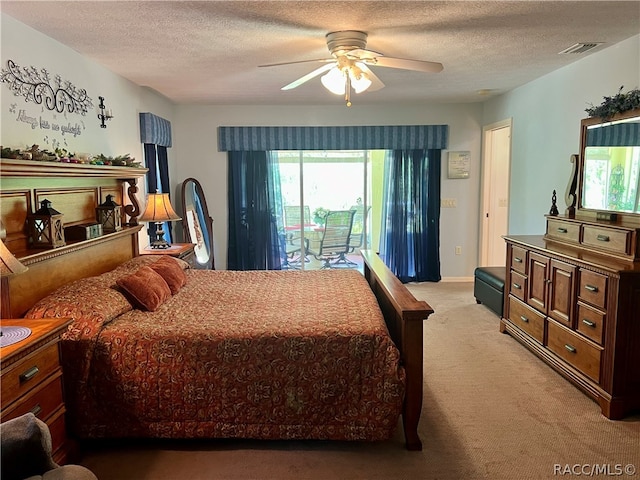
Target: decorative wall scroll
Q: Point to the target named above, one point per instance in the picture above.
(37, 86)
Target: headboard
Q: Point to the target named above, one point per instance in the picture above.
(74, 190)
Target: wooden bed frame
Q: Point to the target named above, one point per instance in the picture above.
(81, 187)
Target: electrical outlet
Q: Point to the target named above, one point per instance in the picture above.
(458, 250)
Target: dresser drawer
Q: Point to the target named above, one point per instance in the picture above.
(526, 318)
(42, 401)
(576, 351)
(590, 323)
(566, 231)
(519, 259)
(28, 372)
(593, 288)
(615, 241)
(518, 285)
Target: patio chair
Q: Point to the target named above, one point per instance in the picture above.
(357, 231)
(334, 244)
(292, 218)
(294, 226)
(293, 253)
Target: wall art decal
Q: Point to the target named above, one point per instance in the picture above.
(39, 87)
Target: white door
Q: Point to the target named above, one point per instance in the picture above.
(495, 198)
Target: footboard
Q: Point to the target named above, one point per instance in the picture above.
(404, 316)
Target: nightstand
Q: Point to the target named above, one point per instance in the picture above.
(183, 251)
(31, 378)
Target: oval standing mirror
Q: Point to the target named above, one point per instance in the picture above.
(197, 225)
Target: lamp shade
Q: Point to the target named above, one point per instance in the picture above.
(159, 209)
(334, 81)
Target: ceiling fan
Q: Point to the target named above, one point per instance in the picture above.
(349, 66)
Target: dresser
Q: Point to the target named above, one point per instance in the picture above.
(31, 378)
(572, 296)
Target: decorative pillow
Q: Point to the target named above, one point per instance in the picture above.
(172, 273)
(146, 287)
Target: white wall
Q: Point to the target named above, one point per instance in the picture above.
(196, 135)
(30, 48)
(546, 126)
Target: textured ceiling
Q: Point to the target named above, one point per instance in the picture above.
(208, 52)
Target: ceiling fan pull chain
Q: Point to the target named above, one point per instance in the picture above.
(347, 90)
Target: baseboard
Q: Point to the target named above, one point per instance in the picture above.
(457, 279)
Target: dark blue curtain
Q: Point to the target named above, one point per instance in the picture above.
(158, 165)
(410, 237)
(255, 206)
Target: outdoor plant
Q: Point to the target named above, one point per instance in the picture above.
(319, 215)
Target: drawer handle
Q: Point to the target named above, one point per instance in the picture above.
(562, 230)
(517, 259)
(29, 374)
(589, 323)
(517, 286)
(591, 288)
(603, 238)
(36, 410)
(570, 348)
(524, 319)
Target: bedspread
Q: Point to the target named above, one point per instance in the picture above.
(259, 354)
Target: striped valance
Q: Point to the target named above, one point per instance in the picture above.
(155, 129)
(618, 135)
(333, 138)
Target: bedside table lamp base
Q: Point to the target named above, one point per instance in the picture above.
(159, 242)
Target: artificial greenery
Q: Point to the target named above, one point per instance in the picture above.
(621, 102)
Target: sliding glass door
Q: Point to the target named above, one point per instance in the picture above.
(315, 186)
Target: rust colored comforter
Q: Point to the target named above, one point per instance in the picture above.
(260, 354)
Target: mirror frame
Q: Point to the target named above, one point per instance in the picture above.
(610, 215)
(210, 264)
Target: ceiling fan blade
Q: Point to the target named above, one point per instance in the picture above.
(316, 60)
(308, 76)
(376, 83)
(405, 64)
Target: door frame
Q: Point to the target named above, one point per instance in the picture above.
(487, 161)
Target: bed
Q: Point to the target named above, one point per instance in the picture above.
(289, 355)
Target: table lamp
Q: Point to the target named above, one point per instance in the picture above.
(158, 211)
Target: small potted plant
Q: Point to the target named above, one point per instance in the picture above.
(319, 214)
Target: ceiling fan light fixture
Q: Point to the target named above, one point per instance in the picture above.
(334, 81)
(359, 79)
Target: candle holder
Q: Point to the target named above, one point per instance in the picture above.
(104, 114)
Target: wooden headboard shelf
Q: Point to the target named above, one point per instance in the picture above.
(74, 190)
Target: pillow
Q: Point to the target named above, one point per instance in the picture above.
(146, 287)
(172, 273)
(91, 302)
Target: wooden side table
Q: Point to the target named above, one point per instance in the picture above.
(183, 251)
(31, 378)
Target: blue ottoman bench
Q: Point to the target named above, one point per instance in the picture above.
(488, 287)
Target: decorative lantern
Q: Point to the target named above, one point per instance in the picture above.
(45, 227)
(109, 215)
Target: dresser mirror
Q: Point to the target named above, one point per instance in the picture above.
(609, 171)
(197, 225)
